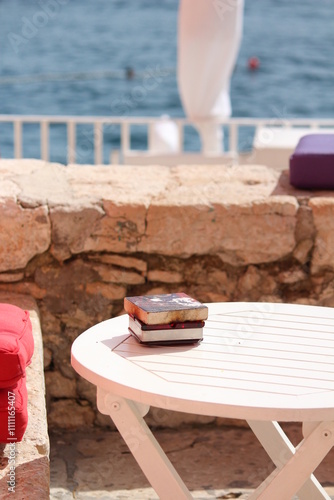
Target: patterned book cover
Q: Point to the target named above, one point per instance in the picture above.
(165, 308)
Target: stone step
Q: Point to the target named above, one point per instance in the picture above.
(32, 464)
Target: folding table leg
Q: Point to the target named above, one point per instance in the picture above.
(280, 449)
(289, 477)
(144, 447)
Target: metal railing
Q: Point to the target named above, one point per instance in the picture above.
(101, 123)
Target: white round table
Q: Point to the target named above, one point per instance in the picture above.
(261, 362)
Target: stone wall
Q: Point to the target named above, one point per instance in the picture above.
(80, 238)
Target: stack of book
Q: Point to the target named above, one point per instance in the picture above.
(166, 319)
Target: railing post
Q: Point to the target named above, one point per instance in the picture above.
(98, 143)
(125, 138)
(149, 136)
(233, 138)
(71, 142)
(17, 139)
(181, 136)
(45, 141)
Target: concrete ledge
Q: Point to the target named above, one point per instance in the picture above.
(273, 146)
(32, 466)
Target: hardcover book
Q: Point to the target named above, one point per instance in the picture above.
(165, 308)
(172, 332)
(167, 342)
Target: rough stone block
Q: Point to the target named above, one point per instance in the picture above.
(25, 232)
(158, 417)
(71, 228)
(109, 291)
(67, 414)
(59, 386)
(233, 232)
(119, 230)
(323, 216)
(116, 275)
(164, 276)
(121, 261)
(11, 277)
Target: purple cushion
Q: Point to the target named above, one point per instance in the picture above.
(312, 163)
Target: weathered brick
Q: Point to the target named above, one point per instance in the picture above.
(58, 386)
(165, 276)
(25, 232)
(109, 291)
(121, 261)
(116, 275)
(323, 216)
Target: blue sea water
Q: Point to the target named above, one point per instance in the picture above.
(69, 57)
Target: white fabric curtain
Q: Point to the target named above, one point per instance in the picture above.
(209, 36)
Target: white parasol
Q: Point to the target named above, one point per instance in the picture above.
(209, 36)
